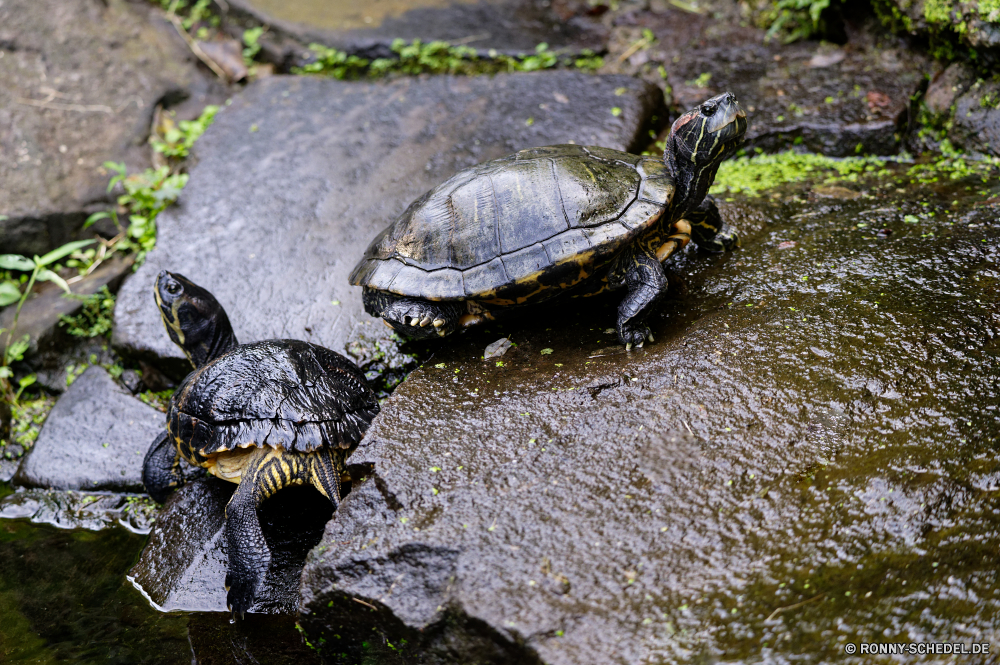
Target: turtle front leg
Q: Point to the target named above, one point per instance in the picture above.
(414, 318)
(646, 283)
(162, 470)
(708, 230)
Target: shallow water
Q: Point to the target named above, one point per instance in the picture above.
(344, 14)
(64, 599)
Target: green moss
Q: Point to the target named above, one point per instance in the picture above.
(753, 175)
(938, 11)
(439, 57)
(96, 317)
(26, 423)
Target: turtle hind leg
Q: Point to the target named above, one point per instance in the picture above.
(414, 318)
(266, 472)
(325, 468)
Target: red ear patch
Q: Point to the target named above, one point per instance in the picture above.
(683, 120)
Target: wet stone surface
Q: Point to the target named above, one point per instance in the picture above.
(805, 457)
(183, 566)
(296, 177)
(79, 510)
(95, 438)
(79, 82)
(509, 26)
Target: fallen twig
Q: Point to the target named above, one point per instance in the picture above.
(780, 610)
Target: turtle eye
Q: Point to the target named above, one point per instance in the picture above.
(708, 110)
(173, 288)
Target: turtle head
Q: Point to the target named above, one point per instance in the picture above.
(194, 319)
(699, 140)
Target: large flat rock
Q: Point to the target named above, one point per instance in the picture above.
(79, 82)
(296, 177)
(369, 29)
(94, 438)
(805, 457)
(183, 566)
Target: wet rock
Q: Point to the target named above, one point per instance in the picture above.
(80, 510)
(335, 162)
(836, 100)
(968, 106)
(803, 452)
(509, 26)
(95, 438)
(39, 318)
(183, 567)
(79, 82)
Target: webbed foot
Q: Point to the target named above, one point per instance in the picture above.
(422, 319)
(725, 240)
(634, 335)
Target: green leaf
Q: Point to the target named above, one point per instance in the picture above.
(16, 262)
(27, 381)
(15, 351)
(9, 293)
(6, 372)
(49, 276)
(65, 250)
(96, 217)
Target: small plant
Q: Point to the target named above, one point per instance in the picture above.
(146, 195)
(251, 43)
(177, 138)
(792, 20)
(96, 317)
(37, 267)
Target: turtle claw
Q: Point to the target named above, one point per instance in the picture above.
(628, 346)
(438, 323)
(425, 321)
(650, 338)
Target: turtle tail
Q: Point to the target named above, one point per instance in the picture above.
(325, 468)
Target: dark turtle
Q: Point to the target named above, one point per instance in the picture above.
(546, 221)
(265, 415)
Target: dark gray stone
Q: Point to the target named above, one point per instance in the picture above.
(803, 458)
(39, 317)
(183, 566)
(79, 81)
(94, 438)
(296, 177)
(822, 97)
(509, 26)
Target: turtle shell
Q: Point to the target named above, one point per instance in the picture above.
(507, 230)
(280, 393)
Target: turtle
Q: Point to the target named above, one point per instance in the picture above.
(554, 220)
(264, 415)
